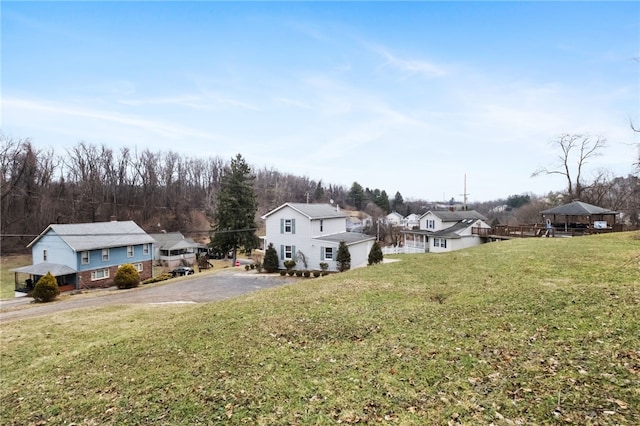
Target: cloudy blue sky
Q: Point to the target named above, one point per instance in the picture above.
(404, 97)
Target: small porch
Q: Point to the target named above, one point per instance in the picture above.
(66, 277)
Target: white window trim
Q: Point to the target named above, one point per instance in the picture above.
(325, 253)
(130, 251)
(288, 254)
(105, 258)
(104, 271)
(139, 266)
(145, 249)
(84, 261)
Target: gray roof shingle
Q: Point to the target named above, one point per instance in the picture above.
(578, 208)
(97, 235)
(312, 211)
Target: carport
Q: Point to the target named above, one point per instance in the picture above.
(65, 276)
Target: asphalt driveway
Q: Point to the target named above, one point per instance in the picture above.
(198, 288)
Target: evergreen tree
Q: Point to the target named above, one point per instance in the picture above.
(375, 254)
(357, 195)
(236, 210)
(383, 201)
(127, 276)
(398, 203)
(343, 258)
(271, 263)
(46, 289)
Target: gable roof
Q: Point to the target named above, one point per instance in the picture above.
(312, 211)
(174, 241)
(456, 215)
(96, 235)
(578, 208)
(453, 232)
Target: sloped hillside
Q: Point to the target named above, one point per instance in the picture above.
(532, 331)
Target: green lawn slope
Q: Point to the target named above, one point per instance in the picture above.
(536, 331)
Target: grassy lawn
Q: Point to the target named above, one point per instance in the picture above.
(536, 331)
(7, 277)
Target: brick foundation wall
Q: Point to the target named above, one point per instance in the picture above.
(84, 278)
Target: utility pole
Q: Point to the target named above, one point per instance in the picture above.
(465, 194)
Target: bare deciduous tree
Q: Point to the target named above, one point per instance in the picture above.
(575, 152)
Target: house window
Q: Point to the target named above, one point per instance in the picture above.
(138, 267)
(287, 226)
(327, 253)
(440, 242)
(99, 274)
(105, 255)
(84, 257)
(44, 255)
(129, 251)
(145, 249)
(431, 224)
(321, 225)
(287, 252)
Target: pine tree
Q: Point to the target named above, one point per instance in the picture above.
(343, 258)
(375, 254)
(271, 262)
(236, 209)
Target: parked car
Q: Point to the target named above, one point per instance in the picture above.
(182, 271)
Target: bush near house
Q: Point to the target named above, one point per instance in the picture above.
(127, 276)
(343, 259)
(375, 254)
(270, 263)
(46, 289)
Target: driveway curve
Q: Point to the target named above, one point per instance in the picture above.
(199, 288)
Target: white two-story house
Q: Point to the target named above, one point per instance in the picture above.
(311, 233)
(447, 230)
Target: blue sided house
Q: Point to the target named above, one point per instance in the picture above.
(88, 255)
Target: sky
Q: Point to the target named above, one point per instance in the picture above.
(406, 97)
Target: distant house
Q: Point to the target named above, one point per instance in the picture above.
(412, 221)
(394, 219)
(446, 230)
(173, 249)
(88, 255)
(311, 233)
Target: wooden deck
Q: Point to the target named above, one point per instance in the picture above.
(506, 232)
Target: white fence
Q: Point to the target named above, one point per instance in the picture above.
(402, 250)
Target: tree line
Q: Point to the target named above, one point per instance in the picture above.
(89, 183)
(171, 192)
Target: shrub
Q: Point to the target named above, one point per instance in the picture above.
(316, 274)
(163, 277)
(127, 276)
(306, 273)
(283, 272)
(375, 254)
(324, 266)
(289, 264)
(344, 257)
(247, 267)
(291, 272)
(270, 263)
(46, 289)
(298, 273)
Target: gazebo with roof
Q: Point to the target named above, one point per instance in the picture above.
(581, 215)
